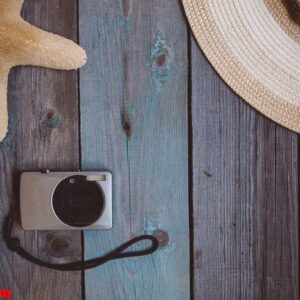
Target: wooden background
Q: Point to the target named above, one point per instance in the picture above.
(188, 157)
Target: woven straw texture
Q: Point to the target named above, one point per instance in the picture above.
(255, 47)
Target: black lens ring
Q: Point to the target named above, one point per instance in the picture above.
(78, 202)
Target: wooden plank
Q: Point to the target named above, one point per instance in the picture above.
(245, 173)
(134, 122)
(43, 108)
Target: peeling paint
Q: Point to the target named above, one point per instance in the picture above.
(162, 57)
(8, 142)
(151, 226)
(50, 122)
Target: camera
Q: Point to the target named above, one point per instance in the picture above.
(66, 200)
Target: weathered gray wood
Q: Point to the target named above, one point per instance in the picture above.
(245, 174)
(134, 123)
(43, 109)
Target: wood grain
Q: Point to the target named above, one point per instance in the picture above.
(43, 109)
(246, 209)
(134, 123)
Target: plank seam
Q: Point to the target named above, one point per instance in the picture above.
(79, 149)
(190, 162)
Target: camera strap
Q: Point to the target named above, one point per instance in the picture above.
(13, 244)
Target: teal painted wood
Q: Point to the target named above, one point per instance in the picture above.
(134, 122)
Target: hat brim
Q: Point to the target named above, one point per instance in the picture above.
(255, 56)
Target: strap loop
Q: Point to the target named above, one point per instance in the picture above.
(13, 244)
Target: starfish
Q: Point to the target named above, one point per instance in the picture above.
(24, 44)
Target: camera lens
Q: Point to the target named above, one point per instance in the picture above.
(78, 202)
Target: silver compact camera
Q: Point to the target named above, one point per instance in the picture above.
(66, 200)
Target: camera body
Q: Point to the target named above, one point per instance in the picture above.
(66, 200)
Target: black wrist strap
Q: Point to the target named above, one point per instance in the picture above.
(13, 244)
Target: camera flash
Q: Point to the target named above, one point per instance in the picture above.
(96, 178)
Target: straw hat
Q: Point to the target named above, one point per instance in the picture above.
(255, 47)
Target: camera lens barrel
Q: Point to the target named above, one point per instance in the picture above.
(78, 202)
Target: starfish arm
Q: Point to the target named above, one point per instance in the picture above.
(3, 102)
(41, 48)
(10, 8)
